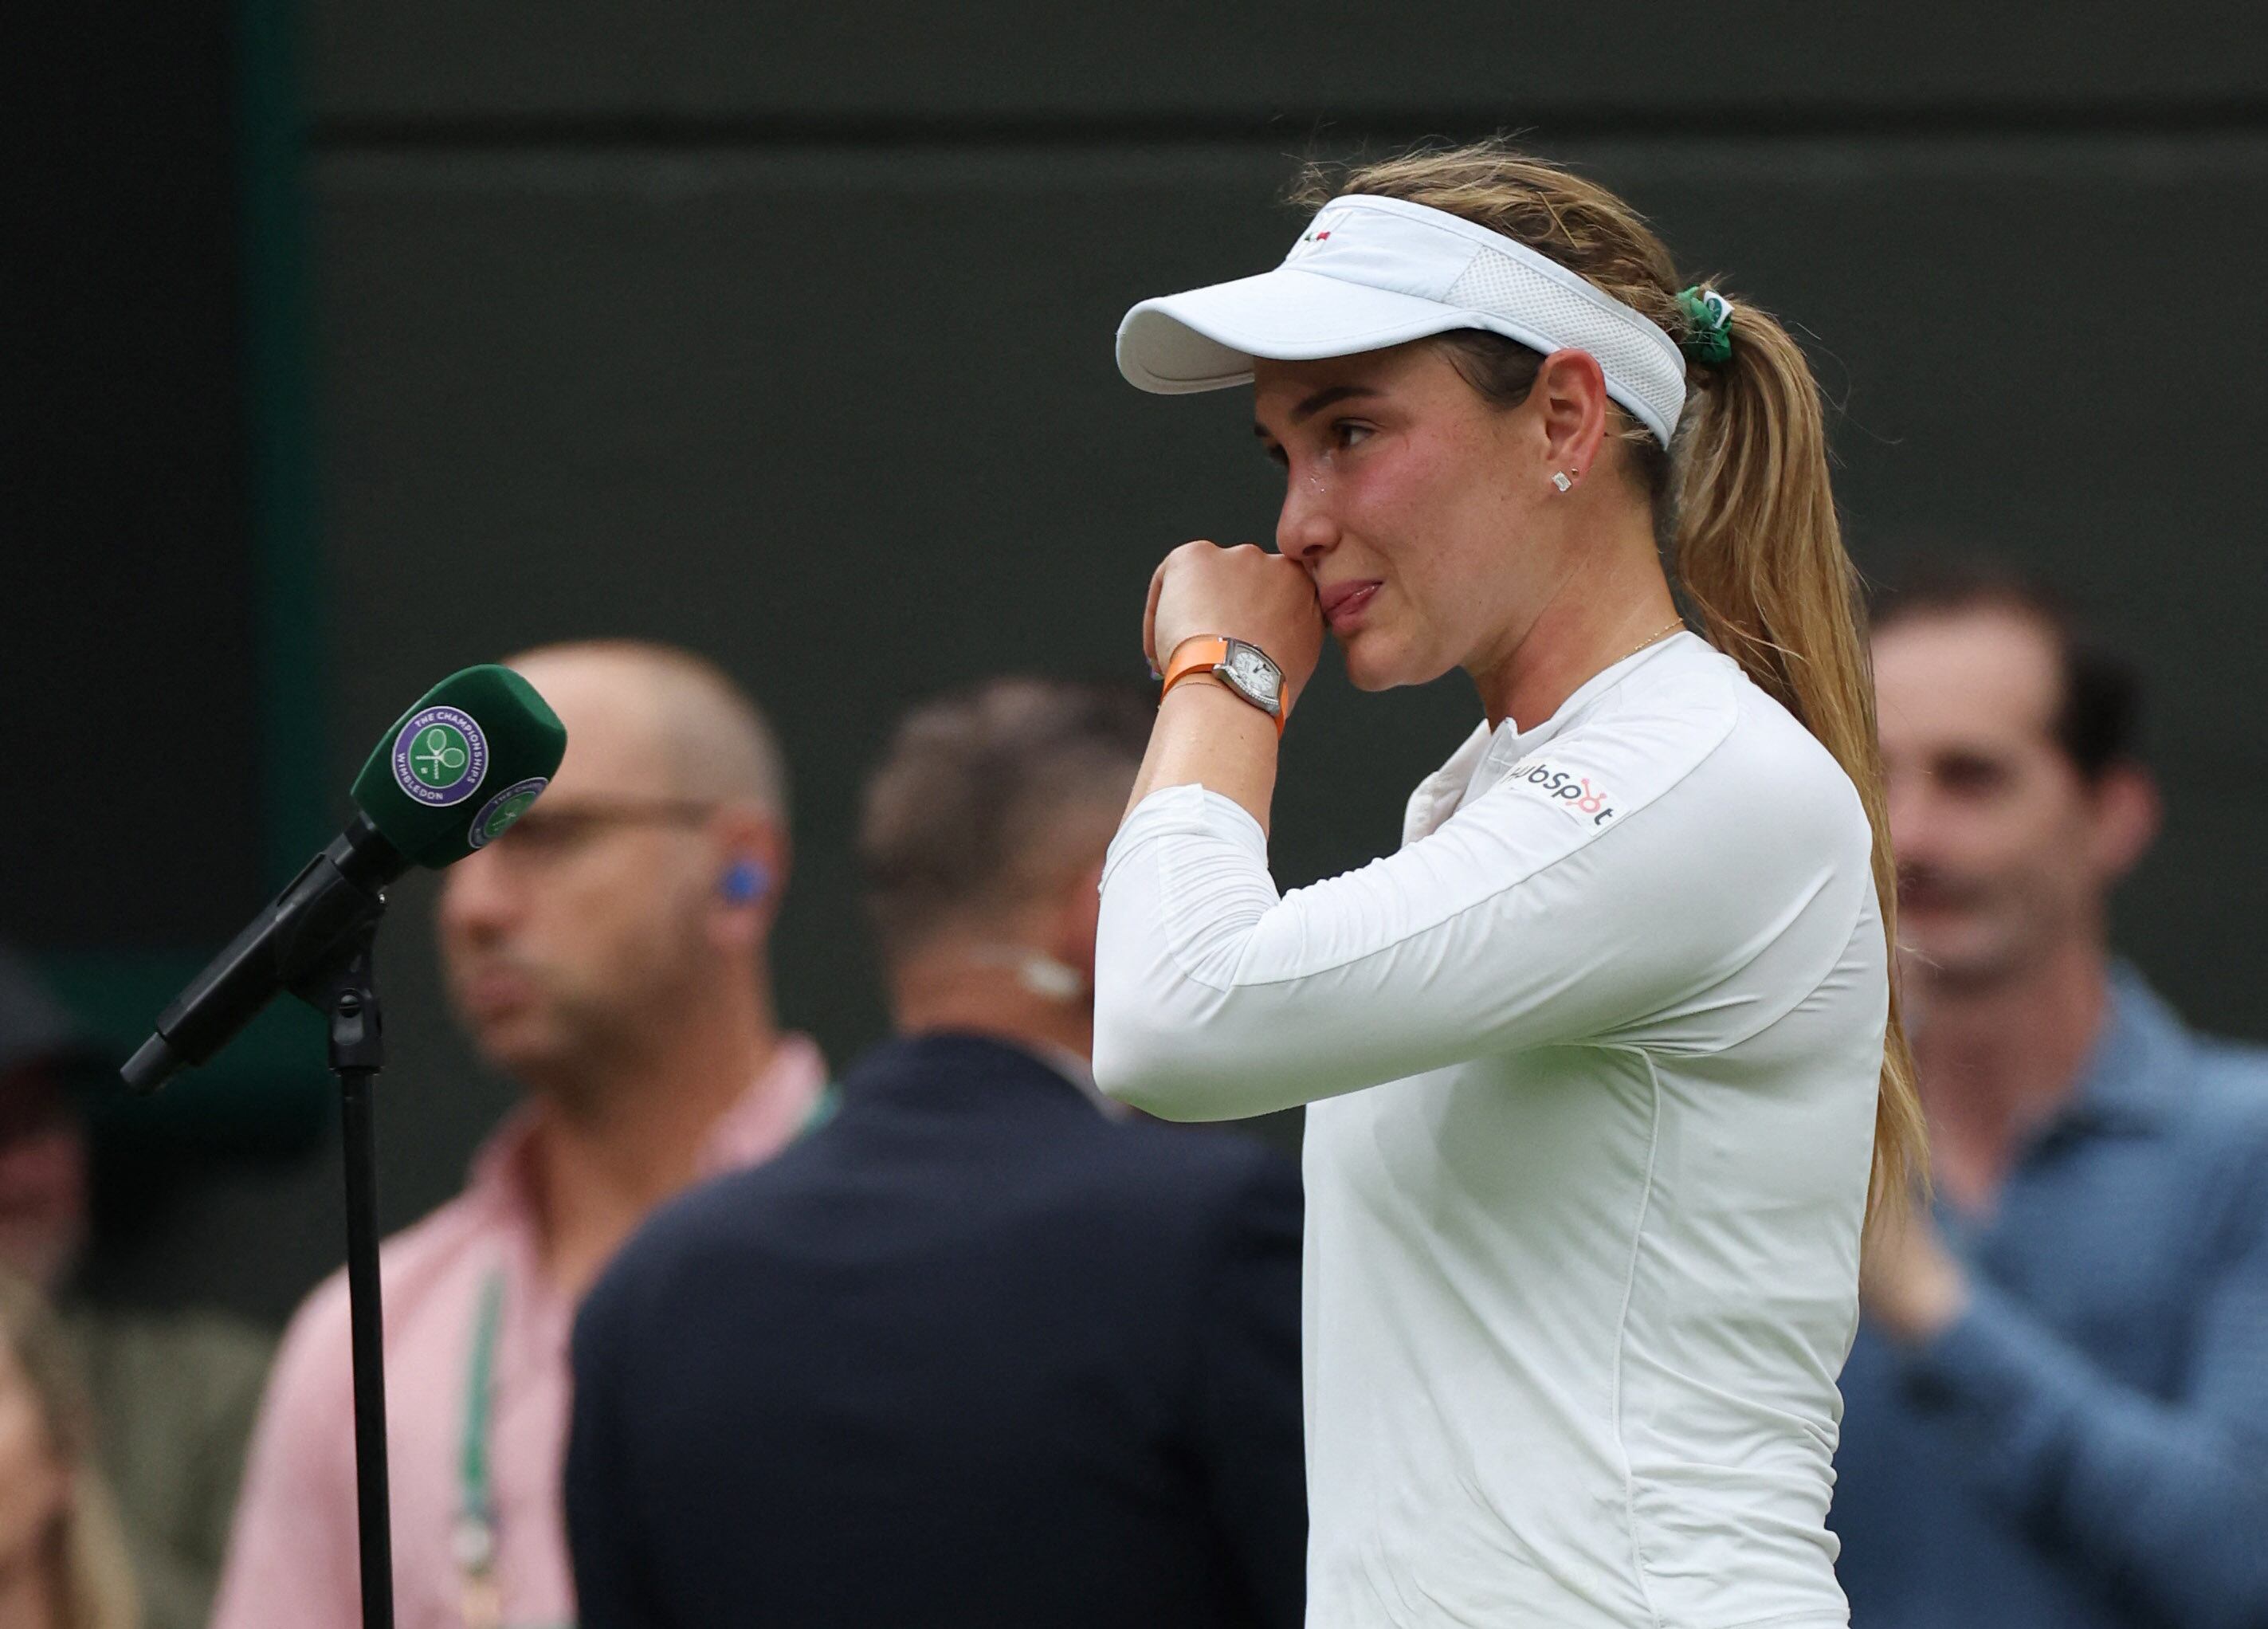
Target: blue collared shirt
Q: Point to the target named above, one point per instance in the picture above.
(2089, 1445)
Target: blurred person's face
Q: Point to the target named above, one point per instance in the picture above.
(1417, 507)
(34, 1485)
(43, 1178)
(590, 928)
(2004, 851)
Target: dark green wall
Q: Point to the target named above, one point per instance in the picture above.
(127, 583)
(786, 334)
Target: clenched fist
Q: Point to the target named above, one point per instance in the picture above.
(1242, 592)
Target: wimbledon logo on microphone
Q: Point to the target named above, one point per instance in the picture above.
(440, 756)
(497, 813)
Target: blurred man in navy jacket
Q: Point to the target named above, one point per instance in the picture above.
(982, 1351)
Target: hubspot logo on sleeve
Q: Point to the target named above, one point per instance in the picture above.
(440, 756)
(1578, 795)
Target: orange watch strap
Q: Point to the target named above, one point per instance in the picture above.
(1200, 653)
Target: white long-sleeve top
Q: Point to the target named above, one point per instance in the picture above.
(1592, 1063)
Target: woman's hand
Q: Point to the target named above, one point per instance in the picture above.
(1205, 736)
(1244, 594)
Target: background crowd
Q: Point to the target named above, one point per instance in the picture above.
(952, 1339)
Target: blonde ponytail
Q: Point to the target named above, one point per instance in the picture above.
(1758, 551)
(1742, 502)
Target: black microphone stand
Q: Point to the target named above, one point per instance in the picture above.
(343, 987)
(315, 940)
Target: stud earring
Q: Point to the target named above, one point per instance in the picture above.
(1559, 479)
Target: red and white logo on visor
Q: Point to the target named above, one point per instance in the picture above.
(1318, 233)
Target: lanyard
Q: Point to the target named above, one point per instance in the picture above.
(474, 1537)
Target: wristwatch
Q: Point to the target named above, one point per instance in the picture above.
(1244, 668)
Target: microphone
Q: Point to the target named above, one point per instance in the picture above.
(454, 771)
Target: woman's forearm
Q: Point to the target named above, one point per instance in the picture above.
(1207, 736)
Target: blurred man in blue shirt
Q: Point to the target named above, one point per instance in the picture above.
(2057, 1411)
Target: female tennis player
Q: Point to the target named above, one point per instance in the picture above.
(1600, 1061)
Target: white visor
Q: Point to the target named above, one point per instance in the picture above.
(1372, 272)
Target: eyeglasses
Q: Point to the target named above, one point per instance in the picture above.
(549, 831)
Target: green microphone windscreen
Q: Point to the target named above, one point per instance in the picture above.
(460, 765)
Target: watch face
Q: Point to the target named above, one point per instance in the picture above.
(1255, 675)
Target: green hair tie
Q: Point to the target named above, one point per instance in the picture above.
(1708, 326)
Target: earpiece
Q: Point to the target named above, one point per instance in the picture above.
(1036, 970)
(746, 884)
(1044, 976)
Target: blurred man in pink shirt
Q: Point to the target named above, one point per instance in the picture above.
(609, 954)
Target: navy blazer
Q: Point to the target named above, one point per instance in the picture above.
(973, 1353)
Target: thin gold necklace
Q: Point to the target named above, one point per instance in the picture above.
(1662, 632)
